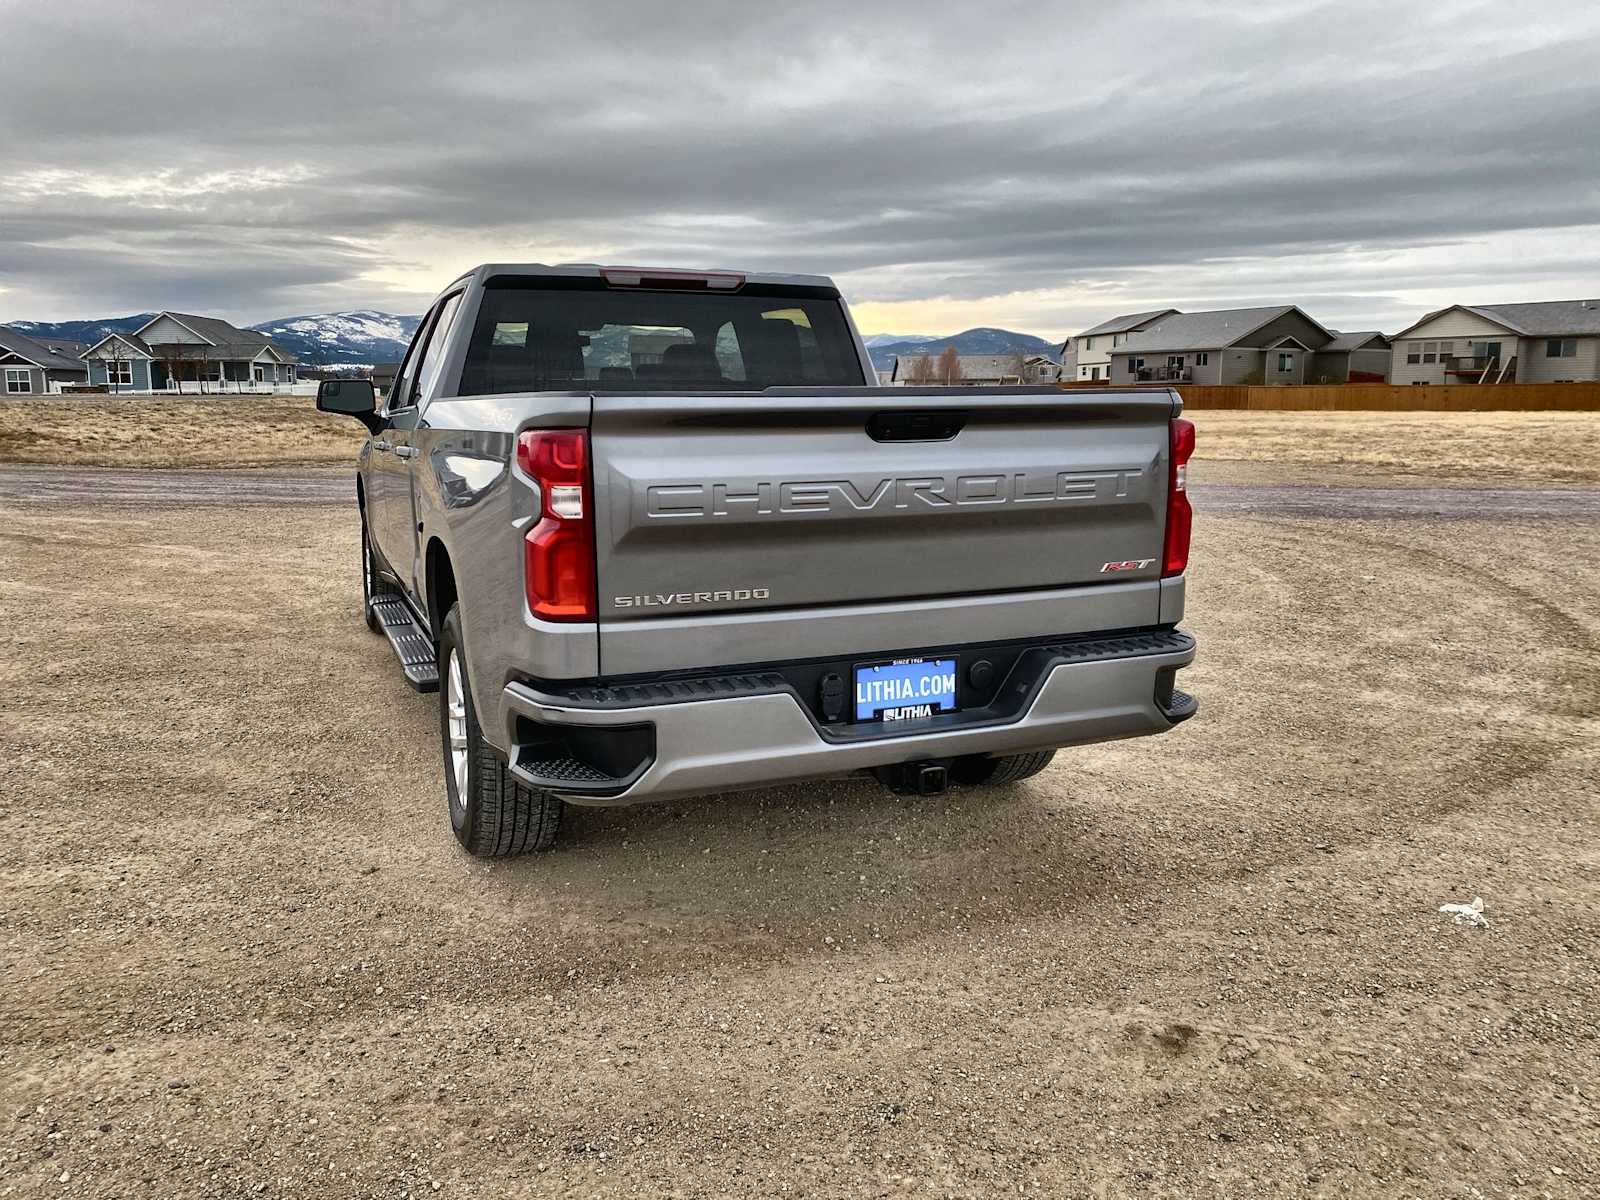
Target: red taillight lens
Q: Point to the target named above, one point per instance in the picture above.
(558, 552)
(1180, 517)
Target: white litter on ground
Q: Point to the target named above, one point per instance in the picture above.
(1468, 914)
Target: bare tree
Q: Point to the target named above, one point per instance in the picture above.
(948, 369)
(113, 359)
(921, 370)
(181, 360)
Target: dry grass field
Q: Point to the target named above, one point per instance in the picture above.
(241, 954)
(1474, 448)
(288, 431)
(157, 431)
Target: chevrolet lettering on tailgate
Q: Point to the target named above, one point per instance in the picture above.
(847, 496)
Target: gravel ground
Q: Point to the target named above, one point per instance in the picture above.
(241, 954)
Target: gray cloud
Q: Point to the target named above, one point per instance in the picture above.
(254, 159)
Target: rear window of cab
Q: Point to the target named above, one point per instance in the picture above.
(564, 334)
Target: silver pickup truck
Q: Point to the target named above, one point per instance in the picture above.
(651, 534)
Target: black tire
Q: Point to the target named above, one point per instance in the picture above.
(369, 578)
(497, 815)
(976, 771)
(1016, 767)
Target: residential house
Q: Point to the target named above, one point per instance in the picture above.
(1273, 345)
(975, 369)
(1040, 368)
(31, 366)
(1352, 358)
(1088, 355)
(383, 375)
(1553, 341)
(173, 350)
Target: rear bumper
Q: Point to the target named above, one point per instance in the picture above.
(752, 731)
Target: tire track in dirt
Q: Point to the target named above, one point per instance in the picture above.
(1553, 620)
(1511, 757)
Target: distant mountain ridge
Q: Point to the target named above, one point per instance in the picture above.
(982, 340)
(363, 335)
(88, 332)
(366, 335)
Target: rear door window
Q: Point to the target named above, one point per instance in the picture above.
(580, 335)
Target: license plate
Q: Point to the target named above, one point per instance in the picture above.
(905, 689)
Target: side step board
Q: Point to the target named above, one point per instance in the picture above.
(412, 646)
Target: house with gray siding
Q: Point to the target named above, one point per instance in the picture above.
(1087, 356)
(1352, 358)
(1273, 345)
(1551, 341)
(31, 366)
(182, 351)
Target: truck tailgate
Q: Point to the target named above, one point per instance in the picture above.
(713, 510)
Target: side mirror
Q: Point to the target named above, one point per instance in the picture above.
(352, 397)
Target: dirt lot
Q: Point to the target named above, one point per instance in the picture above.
(1476, 448)
(242, 954)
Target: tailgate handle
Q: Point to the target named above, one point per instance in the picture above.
(939, 425)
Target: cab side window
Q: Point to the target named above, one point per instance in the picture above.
(400, 390)
(433, 355)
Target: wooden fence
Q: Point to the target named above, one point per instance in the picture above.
(1386, 397)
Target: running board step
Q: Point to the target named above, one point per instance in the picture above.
(412, 646)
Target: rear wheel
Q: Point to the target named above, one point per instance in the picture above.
(491, 813)
(977, 770)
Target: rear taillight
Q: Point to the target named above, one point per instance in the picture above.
(558, 552)
(1180, 517)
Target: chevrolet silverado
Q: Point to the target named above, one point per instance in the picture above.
(653, 533)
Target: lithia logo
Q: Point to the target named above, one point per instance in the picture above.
(667, 599)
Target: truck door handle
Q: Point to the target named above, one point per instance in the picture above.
(406, 452)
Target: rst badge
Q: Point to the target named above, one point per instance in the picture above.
(1127, 564)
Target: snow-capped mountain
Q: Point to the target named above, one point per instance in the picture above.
(88, 332)
(362, 336)
(319, 339)
(874, 340)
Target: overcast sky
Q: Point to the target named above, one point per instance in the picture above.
(1036, 166)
